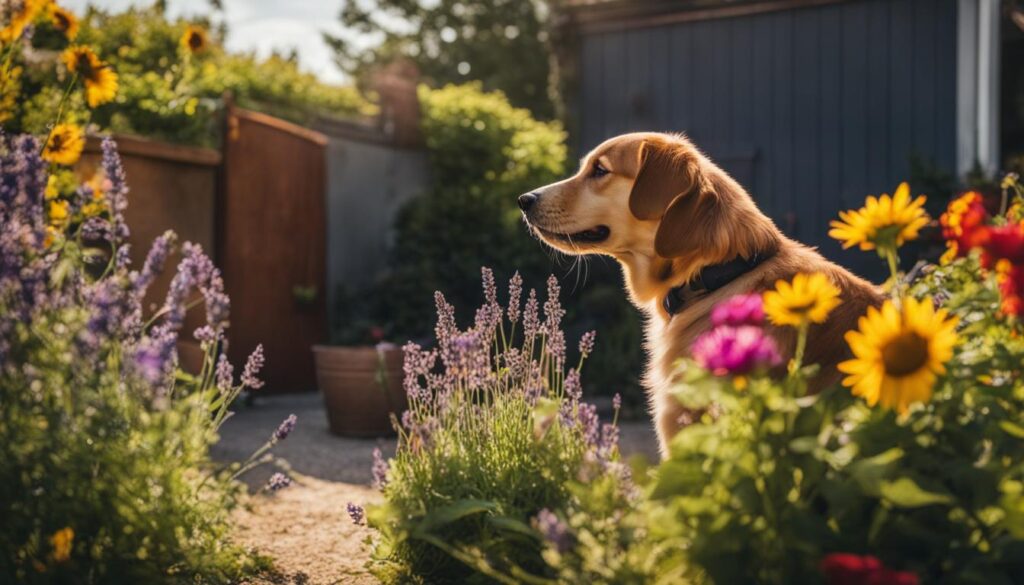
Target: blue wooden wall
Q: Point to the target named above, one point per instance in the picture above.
(811, 108)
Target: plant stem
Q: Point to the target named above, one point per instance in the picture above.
(894, 270)
(60, 111)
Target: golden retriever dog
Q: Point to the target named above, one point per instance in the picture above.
(688, 236)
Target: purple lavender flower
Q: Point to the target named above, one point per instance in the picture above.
(531, 316)
(515, 291)
(285, 428)
(617, 401)
(157, 356)
(253, 365)
(553, 311)
(278, 482)
(555, 345)
(123, 257)
(356, 513)
(587, 343)
(154, 264)
(96, 229)
(380, 470)
(573, 388)
(118, 189)
(553, 530)
(224, 374)
(739, 310)
(609, 440)
(587, 415)
(735, 350)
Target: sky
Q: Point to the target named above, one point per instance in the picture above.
(261, 25)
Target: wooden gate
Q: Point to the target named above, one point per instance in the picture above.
(271, 244)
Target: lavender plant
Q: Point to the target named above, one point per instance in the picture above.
(105, 473)
(495, 438)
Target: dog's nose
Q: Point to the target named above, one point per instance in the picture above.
(527, 200)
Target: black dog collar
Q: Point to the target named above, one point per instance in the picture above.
(709, 279)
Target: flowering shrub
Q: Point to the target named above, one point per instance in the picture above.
(144, 74)
(106, 475)
(495, 440)
(910, 472)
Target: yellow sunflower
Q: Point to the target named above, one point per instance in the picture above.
(64, 21)
(195, 39)
(98, 204)
(899, 353)
(17, 14)
(64, 145)
(808, 299)
(100, 80)
(885, 222)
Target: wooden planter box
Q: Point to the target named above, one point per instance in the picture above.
(362, 389)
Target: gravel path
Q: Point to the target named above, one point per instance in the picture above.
(305, 527)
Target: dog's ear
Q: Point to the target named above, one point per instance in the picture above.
(667, 171)
(670, 186)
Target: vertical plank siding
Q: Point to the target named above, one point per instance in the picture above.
(810, 108)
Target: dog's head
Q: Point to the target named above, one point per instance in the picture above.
(651, 194)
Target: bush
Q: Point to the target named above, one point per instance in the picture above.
(106, 475)
(483, 154)
(494, 439)
(167, 88)
(921, 481)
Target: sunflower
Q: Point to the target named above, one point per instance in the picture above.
(64, 21)
(899, 353)
(64, 145)
(195, 39)
(100, 80)
(885, 222)
(18, 14)
(808, 299)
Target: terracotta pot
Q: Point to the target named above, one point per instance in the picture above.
(358, 400)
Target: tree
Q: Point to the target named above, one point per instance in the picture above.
(505, 44)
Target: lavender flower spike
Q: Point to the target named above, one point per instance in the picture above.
(554, 530)
(278, 481)
(253, 365)
(587, 343)
(286, 428)
(356, 513)
(380, 470)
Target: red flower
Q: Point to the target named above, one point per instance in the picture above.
(1011, 287)
(850, 569)
(963, 224)
(1005, 242)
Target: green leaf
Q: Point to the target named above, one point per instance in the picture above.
(1012, 429)
(905, 493)
(513, 525)
(453, 512)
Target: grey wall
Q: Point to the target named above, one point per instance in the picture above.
(367, 183)
(811, 109)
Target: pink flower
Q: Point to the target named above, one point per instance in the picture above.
(735, 350)
(739, 310)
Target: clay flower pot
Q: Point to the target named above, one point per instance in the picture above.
(362, 388)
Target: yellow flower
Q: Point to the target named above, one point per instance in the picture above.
(99, 203)
(100, 80)
(52, 234)
(885, 222)
(195, 39)
(899, 353)
(18, 14)
(10, 88)
(808, 299)
(62, 541)
(58, 212)
(64, 145)
(64, 21)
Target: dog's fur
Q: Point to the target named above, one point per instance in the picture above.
(671, 212)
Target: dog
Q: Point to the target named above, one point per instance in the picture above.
(687, 236)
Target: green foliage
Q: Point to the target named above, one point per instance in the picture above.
(165, 90)
(504, 43)
(771, 481)
(483, 154)
(494, 435)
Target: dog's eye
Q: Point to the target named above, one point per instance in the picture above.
(598, 171)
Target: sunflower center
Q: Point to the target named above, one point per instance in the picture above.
(905, 354)
(195, 41)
